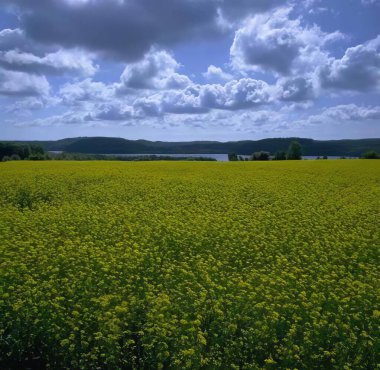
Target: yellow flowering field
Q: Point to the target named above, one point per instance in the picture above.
(189, 265)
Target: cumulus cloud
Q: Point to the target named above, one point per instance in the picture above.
(357, 70)
(112, 112)
(216, 73)
(185, 101)
(68, 37)
(345, 112)
(237, 94)
(68, 118)
(195, 99)
(296, 89)
(352, 112)
(128, 29)
(85, 91)
(275, 42)
(15, 39)
(52, 63)
(234, 95)
(26, 105)
(19, 84)
(20, 53)
(157, 70)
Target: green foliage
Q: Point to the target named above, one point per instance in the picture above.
(294, 151)
(371, 155)
(13, 151)
(260, 156)
(280, 156)
(232, 157)
(15, 157)
(113, 265)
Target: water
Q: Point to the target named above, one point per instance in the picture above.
(218, 157)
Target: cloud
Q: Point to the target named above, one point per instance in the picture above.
(68, 118)
(109, 112)
(234, 95)
(157, 70)
(185, 101)
(102, 102)
(345, 112)
(58, 62)
(370, 2)
(128, 29)
(199, 99)
(352, 112)
(15, 39)
(19, 84)
(357, 70)
(237, 94)
(216, 73)
(26, 105)
(275, 42)
(237, 9)
(296, 89)
(85, 91)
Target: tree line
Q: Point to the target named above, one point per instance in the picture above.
(14, 152)
(294, 152)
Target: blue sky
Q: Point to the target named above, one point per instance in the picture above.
(189, 69)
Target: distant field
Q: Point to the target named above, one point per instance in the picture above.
(190, 265)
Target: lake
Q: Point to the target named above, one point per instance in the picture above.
(218, 157)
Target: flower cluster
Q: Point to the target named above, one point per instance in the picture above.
(190, 265)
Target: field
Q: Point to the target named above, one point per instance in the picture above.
(190, 265)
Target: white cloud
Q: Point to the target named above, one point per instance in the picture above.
(237, 94)
(19, 84)
(357, 70)
(85, 91)
(216, 73)
(52, 63)
(128, 29)
(21, 54)
(157, 70)
(296, 89)
(275, 42)
(344, 112)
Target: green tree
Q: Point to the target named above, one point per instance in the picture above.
(280, 156)
(260, 156)
(371, 155)
(294, 151)
(232, 157)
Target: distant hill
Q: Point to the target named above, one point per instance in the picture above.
(107, 145)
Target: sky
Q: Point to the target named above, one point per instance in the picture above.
(181, 70)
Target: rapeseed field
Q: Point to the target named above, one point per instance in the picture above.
(114, 265)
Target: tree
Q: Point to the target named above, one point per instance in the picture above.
(232, 157)
(260, 156)
(37, 149)
(279, 156)
(294, 151)
(371, 155)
